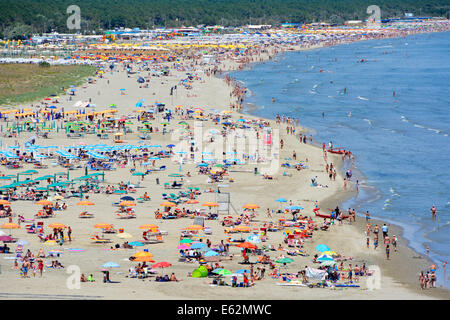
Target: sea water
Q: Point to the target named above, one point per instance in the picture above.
(392, 111)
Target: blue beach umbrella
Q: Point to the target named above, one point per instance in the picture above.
(198, 245)
(322, 248)
(211, 253)
(325, 257)
(110, 265)
(136, 244)
(242, 271)
(281, 200)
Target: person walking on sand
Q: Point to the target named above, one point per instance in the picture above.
(394, 242)
(422, 280)
(388, 250)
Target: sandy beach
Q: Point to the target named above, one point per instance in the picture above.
(399, 275)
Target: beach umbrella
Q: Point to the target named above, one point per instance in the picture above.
(142, 254)
(6, 238)
(222, 272)
(138, 174)
(322, 248)
(210, 204)
(284, 260)
(168, 204)
(103, 226)
(198, 245)
(136, 244)
(183, 246)
(127, 198)
(251, 206)
(85, 203)
(246, 245)
(192, 201)
(148, 226)
(242, 229)
(328, 263)
(124, 235)
(162, 264)
(120, 191)
(211, 253)
(186, 240)
(44, 203)
(127, 204)
(325, 257)
(10, 225)
(144, 259)
(110, 265)
(242, 271)
(294, 208)
(5, 202)
(57, 226)
(194, 227)
(281, 200)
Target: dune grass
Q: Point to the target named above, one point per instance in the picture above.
(21, 83)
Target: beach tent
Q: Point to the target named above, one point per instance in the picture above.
(200, 272)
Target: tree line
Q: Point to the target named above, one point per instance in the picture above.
(26, 17)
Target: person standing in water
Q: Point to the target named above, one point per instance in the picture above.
(433, 212)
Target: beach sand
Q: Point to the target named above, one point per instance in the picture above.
(399, 276)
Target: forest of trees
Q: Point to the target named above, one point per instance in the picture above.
(24, 17)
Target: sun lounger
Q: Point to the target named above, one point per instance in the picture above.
(96, 239)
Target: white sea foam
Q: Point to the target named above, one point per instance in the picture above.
(362, 98)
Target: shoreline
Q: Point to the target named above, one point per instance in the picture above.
(341, 197)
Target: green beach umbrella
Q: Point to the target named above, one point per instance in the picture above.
(284, 260)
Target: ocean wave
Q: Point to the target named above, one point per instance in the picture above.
(417, 125)
(362, 98)
(315, 86)
(369, 121)
(383, 47)
(312, 92)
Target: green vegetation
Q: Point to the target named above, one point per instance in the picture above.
(29, 82)
(31, 16)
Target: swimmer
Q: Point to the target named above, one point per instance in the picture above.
(433, 212)
(350, 114)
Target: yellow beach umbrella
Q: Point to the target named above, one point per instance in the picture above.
(127, 204)
(142, 254)
(44, 203)
(57, 226)
(194, 227)
(251, 206)
(168, 204)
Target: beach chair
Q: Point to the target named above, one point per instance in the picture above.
(97, 239)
